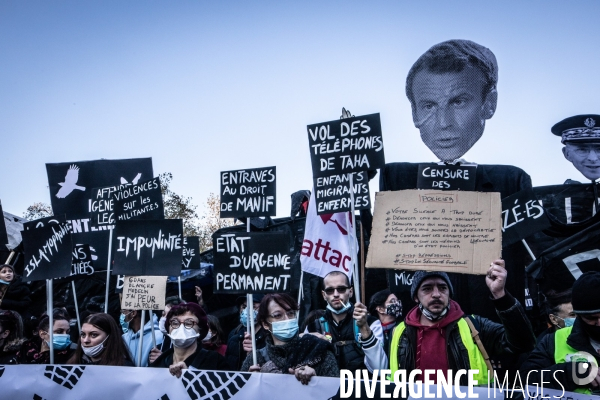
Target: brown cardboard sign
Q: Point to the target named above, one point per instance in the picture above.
(452, 231)
(144, 293)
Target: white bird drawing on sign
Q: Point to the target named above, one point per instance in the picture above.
(70, 183)
(134, 181)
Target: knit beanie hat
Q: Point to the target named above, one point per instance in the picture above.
(584, 296)
(8, 266)
(420, 276)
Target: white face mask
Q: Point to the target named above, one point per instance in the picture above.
(161, 325)
(183, 337)
(208, 336)
(94, 350)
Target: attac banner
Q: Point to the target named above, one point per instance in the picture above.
(452, 231)
(346, 145)
(191, 253)
(522, 216)
(148, 247)
(252, 262)
(248, 193)
(333, 193)
(76, 382)
(70, 183)
(446, 177)
(48, 252)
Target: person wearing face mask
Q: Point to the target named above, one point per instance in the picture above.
(14, 294)
(235, 353)
(100, 343)
(162, 326)
(285, 351)
(187, 325)
(437, 335)
(131, 321)
(559, 311)
(560, 352)
(32, 353)
(214, 338)
(386, 307)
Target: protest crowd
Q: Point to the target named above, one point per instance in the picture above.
(316, 309)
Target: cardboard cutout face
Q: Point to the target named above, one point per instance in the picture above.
(585, 157)
(450, 110)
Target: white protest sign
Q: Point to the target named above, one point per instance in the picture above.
(452, 231)
(144, 293)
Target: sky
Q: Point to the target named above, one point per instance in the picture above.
(210, 86)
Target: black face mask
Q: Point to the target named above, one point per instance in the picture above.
(593, 331)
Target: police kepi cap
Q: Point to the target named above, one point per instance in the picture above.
(579, 128)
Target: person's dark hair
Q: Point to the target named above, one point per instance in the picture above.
(214, 325)
(378, 299)
(455, 56)
(11, 321)
(335, 273)
(310, 319)
(115, 351)
(553, 300)
(44, 323)
(194, 309)
(173, 301)
(284, 300)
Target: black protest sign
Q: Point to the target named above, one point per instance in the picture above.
(40, 223)
(446, 177)
(522, 216)
(83, 263)
(332, 193)
(97, 243)
(148, 247)
(141, 201)
(48, 252)
(256, 262)
(399, 283)
(191, 253)
(248, 193)
(70, 183)
(346, 145)
(102, 207)
(3, 234)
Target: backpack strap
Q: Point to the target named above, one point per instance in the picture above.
(475, 335)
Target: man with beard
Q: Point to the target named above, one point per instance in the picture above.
(346, 326)
(561, 352)
(437, 335)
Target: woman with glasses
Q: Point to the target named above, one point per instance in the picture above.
(100, 343)
(187, 326)
(285, 351)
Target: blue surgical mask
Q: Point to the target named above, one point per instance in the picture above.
(4, 282)
(244, 316)
(285, 330)
(124, 324)
(568, 321)
(61, 341)
(341, 310)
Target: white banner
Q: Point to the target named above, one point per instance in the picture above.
(77, 382)
(327, 241)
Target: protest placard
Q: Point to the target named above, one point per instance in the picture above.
(400, 282)
(332, 193)
(248, 193)
(82, 260)
(39, 223)
(148, 247)
(48, 252)
(252, 262)
(346, 145)
(70, 183)
(144, 293)
(453, 231)
(446, 176)
(191, 253)
(3, 234)
(141, 201)
(97, 242)
(522, 216)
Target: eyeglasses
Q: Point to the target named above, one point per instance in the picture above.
(278, 315)
(340, 289)
(188, 323)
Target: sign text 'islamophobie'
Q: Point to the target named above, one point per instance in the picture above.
(48, 252)
(346, 145)
(148, 247)
(246, 262)
(248, 193)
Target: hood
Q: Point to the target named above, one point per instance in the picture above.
(413, 318)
